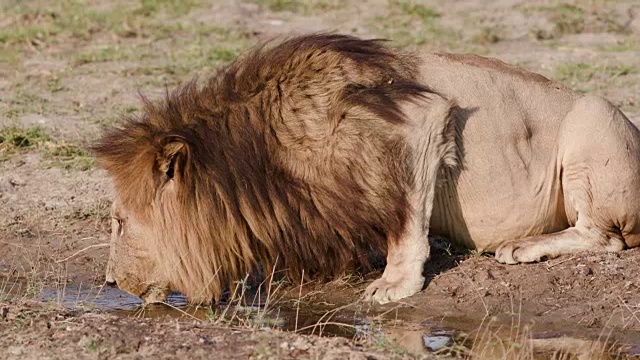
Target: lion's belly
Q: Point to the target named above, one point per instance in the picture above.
(508, 185)
(501, 192)
(482, 212)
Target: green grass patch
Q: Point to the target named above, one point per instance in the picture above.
(629, 43)
(171, 8)
(280, 5)
(575, 73)
(300, 6)
(136, 23)
(419, 11)
(15, 139)
(583, 72)
(41, 25)
(118, 114)
(412, 24)
(24, 103)
(67, 156)
(54, 84)
(111, 53)
(9, 55)
(487, 36)
(100, 212)
(212, 55)
(193, 46)
(583, 77)
(566, 18)
(25, 34)
(577, 18)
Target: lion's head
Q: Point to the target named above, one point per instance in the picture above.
(291, 157)
(131, 264)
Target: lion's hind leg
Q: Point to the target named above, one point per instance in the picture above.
(568, 241)
(599, 163)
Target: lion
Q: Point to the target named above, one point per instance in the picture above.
(317, 154)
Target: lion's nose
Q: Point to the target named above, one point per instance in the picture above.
(110, 280)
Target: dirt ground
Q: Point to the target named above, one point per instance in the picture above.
(70, 68)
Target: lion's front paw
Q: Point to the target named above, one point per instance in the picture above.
(514, 253)
(384, 291)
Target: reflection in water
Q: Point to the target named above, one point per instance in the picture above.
(310, 319)
(435, 342)
(103, 298)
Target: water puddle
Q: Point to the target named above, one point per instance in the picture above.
(435, 342)
(104, 298)
(447, 335)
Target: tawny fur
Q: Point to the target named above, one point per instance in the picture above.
(323, 151)
(293, 154)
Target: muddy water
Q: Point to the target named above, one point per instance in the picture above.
(282, 316)
(287, 317)
(454, 336)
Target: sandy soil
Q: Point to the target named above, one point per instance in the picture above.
(32, 331)
(70, 68)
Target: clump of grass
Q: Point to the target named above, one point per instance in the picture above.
(222, 55)
(425, 14)
(9, 55)
(170, 7)
(24, 103)
(299, 5)
(478, 253)
(34, 284)
(120, 112)
(25, 34)
(61, 154)
(88, 344)
(566, 19)
(55, 22)
(487, 36)
(577, 18)
(577, 74)
(281, 5)
(100, 212)
(410, 23)
(68, 156)
(54, 84)
(198, 45)
(627, 44)
(111, 53)
(13, 137)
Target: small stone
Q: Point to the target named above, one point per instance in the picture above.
(301, 344)
(85, 341)
(15, 350)
(206, 341)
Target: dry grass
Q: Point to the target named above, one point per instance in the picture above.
(149, 44)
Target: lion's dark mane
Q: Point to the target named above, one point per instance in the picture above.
(293, 152)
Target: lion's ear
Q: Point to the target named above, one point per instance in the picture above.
(172, 157)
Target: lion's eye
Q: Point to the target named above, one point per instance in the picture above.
(119, 228)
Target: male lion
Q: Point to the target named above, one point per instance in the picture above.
(316, 153)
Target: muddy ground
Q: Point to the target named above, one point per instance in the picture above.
(70, 68)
